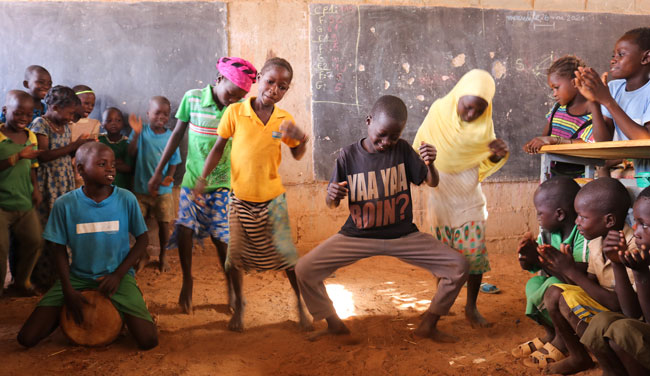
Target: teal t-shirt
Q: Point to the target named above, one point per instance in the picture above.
(150, 148)
(96, 232)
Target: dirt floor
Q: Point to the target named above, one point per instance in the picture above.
(384, 296)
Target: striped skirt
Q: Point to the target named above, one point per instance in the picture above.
(260, 235)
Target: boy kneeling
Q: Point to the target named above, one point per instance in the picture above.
(94, 221)
(377, 172)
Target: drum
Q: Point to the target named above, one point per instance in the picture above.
(101, 325)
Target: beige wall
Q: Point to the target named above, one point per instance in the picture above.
(260, 29)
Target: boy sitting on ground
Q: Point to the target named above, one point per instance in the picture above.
(602, 206)
(95, 222)
(556, 215)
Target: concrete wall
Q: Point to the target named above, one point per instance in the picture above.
(258, 30)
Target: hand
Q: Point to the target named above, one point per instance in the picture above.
(591, 86)
(74, 302)
(37, 197)
(636, 259)
(167, 181)
(614, 245)
(135, 122)
(154, 184)
(527, 252)
(29, 152)
(556, 261)
(533, 146)
(85, 136)
(428, 153)
(80, 141)
(109, 283)
(290, 130)
(197, 191)
(498, 148)
(337, 191)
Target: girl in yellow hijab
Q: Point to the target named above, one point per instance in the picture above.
(460, 126)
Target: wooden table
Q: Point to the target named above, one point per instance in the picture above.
(593, 154)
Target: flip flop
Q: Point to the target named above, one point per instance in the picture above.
(527, 348)
(488, 288)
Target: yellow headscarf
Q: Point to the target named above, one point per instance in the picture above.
(462, 145)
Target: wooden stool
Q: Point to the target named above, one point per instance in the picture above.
(101, 325)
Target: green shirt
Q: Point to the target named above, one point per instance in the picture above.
(199, 109)
(120, 149)
(15, 182)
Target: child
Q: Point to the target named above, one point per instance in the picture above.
(101, 258)
(377, 172)
(260, 235)
(569, 120)
(113, 122)
(200, 111)
(556, 215)
(85, 127)
(19, 190)
(37, 82)
(601, 206)
(146, 144)
(460, 126)
(622, 112)
(82, 126)
(55, 173)
(620, 341)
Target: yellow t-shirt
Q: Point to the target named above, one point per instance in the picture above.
(256, 153)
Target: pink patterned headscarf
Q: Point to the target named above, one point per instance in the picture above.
(239, 71)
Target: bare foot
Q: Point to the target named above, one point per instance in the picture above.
(427, 329)
(476, 319)
(236, 323)
(185, 299)
(163, 265)
(569, 366)
(335, 327)
(304, 319)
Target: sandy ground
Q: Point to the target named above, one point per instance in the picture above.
(383, 296)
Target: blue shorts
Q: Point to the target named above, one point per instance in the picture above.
(208, 220)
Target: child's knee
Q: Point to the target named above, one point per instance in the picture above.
(149, 342)
(552, 297)
(25, 339)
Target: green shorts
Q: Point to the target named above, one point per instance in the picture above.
(127, 299)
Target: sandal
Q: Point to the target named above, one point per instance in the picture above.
(527, 348)
(541, 360)
(488, 288)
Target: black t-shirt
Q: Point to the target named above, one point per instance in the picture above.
(379, 195)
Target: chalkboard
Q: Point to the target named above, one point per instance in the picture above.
(127, 52)
(359, 53)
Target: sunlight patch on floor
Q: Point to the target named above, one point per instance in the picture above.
(342, 299)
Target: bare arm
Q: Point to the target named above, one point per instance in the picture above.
(111, 282)
(298, 151)
(48, 154)
(603, 129)
(210, 163)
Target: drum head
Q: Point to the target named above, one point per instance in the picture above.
(102, 322)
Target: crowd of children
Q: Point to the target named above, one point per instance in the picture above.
(591, 282)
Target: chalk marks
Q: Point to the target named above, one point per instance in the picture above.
(334, 77)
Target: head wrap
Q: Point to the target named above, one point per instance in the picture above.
(239, 71)
(462, 145)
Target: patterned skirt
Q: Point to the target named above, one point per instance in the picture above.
(260, 235)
